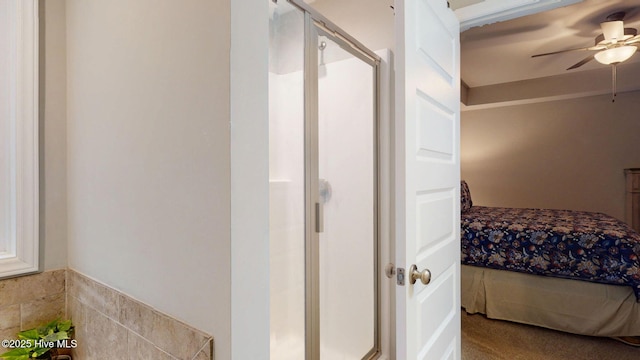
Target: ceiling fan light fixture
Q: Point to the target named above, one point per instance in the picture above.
(615, 55)
(612, 30)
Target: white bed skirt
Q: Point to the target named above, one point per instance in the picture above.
(573, 306)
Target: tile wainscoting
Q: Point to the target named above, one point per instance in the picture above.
(112, 325)
(109, 324)
(29, 301)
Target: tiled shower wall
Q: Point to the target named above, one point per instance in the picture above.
(108, 324)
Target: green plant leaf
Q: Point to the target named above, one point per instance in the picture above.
(29, 335)
(48, 328)
(64, 325)
(60, 335)
(51, 332)
(16, 354)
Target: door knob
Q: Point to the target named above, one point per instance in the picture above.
(414, 275)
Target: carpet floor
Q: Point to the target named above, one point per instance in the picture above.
(486, 339)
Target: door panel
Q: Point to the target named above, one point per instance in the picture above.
(435, 224)
(428, 178)
(436, 33)
(433, 121)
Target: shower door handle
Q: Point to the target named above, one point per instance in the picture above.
(319, 217)
(324, 194)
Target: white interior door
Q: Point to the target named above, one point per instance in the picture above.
(427, 179)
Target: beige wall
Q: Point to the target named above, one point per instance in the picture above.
(141, 170)
(53, 108)
(148, 154)
(567, 154)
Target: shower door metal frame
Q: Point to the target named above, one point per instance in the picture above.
(316, 25)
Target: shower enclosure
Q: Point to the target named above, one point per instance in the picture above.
(323, 88)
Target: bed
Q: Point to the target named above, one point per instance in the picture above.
(566, 270)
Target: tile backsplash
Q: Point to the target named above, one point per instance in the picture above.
(108, 323)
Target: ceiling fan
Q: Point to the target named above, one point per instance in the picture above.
(616, 44)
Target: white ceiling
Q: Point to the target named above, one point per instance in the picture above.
(501, 52)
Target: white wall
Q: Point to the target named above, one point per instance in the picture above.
(567, 154)
(148, 155)
(249, 89)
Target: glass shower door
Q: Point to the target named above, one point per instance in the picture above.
(347, 201)
(323, 190)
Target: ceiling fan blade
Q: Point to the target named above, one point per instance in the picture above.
(633, 40)
(563, 51)
(582, 62)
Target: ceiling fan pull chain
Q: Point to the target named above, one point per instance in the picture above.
(613, 75)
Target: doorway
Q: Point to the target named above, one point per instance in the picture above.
(323, 111)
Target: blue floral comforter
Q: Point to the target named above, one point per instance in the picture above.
(561, 243)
